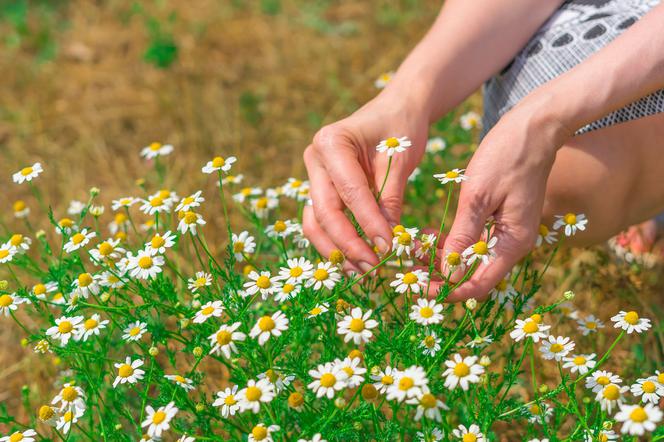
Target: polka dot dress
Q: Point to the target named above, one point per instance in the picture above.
(574, 32)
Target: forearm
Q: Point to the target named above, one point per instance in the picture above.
(629, 68)
(469, 42)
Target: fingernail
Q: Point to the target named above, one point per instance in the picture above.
(382, 245)
(364, 266)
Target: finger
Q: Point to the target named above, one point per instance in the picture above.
(320, 240)
(328, 211)
(350, 180)
(391, 199)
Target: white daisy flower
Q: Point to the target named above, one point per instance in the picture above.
(636, 420)
(232, 179)
(393, 145)
(155, 204)
(480, 341)
(68, 418)
(602, 436)
(128, 371)
(530, 328)
(427, 242)
(435, 145)
(64, 328)
(255, 393)
(263, 283)
(261, 206)
(208, 310)
(611, 396)
(408, 383)
(545, 235)
(144, 265)
(649, 390)
(86, 284)
(383, 379)
(262, 433)
(383, 79)
(355, 373)
(430, 344)
(284, 292)
(316, 438)
(268, 326)
(159, 243)
(247, 193)
(434, 435)
(9, 303)
(79, 240)
(124, 202)
(134, 331)
(190, 202)
(540, 414)
(27, 174)
(21, 210)
(22, 436)
(427, 312)
(504, 291)
(186, 383)
(279, 380)
(70, 397)
(590, 325)
(293, 187)
(21, 242)
(298, 271)
(224, 339)
(219, 164)
(580, 363)
(571, 222)
(462, 371)
(40, 290)
(7, 253)
(91, 326)
(480, 251)
(328, 379)
(410, 281)
(470, 120)
(326, 275)
(66, 226)
(357, 326)
(403, 241)
(568, 309)
(556, 348)
(159, 420)
(452, 176)
(280, 229)
(155, 150)
(107, 250)
(319, 309)
(189, 222)
(630, 322)
(243, 244)
(600, 379)
(428, 406)
(228, 401)
(201, 280)
(111, 279)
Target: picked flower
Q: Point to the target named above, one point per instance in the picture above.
(452, 176)
(571, 222)
(480, 251)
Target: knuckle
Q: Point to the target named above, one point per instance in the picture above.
(325, 137)
(349, 193)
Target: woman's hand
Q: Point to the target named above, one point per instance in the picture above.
(507, 180)
(346, 171)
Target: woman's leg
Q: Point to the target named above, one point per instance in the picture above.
(614, 175)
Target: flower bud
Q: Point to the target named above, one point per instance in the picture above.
(607, 425)
(569, 295)
(337, 257)
(357, 426)
(485, 361)
(586, 400)
(154, 351)
(40, 234)
(543, 388)
(94, 191)
(4, 284)
(471, 303)
(184, 323)
(140, 182)
(412, 338)
(118, 427)
(45, 413)
(340, 402)
(196, 304)
(295, 400)
(369, 392)
(200, 407)
(356, 354)
(105, 297)
(24, 342)
(198, 352)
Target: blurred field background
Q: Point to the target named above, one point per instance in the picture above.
(86, 84)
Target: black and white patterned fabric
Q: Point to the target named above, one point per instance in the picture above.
(574, 32)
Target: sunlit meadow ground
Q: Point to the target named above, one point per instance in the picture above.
(254, 79)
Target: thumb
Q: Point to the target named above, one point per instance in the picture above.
(391, 199)
(467, 227)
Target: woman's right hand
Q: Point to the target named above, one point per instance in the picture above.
(346, 171)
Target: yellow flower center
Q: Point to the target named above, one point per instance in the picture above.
(469, 437)
(253, 393)
(632, 318)
(649, 387)
(46, 412)
(26, 171)
(530, 327)
(6, 301)
(155, 146)
(570, 219)
(543, 230)
(603, 380)
(405, 239)
(349, 371)
(579, 360)
(603, 438)
(591, 325)
(263, 282)
(296, 271)
(556, 348)
(4, 253)
(180, 379)
(19, 206)
(157, 242)
(65, 223)
(611, 392)
(279, 226)
(125, 371)
(224, 337)
(315, 311)
(409, 278)
(502, 285)
(261, 203)
(328, 380)
(272, 375)
(638, 415)
(406, 383)
(156, 201)
(266, 323)
(238, 247)
(481, 248)
(398, 229)
(145, 262)
(90, 324)
(321, 275)
(65, 327)
(428, 400)
(535, 409)
(218, 162)
(392, 142)
(134, 331)
(207, 311)
(461, 370)
(430, 341)
(200, 282)
(16, 239)
(295, 184)
(426, 312)
(39, 289)
(188, 200)
(84, 279)
(287, 288)
(78, 238)
(190, 217)
(230, 400)
(536, 318)
(356, 325)
(660, 378)
(452, 174)
(387, 380)
(120, 218)
(69, 394)
(158, 417)
(105, 249)
(259, 432)
(68, 416)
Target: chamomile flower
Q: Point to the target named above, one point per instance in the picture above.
(7, 253)
(156, 204)
(185, 383)
(189, 222)
(21, 210)
(284, 292)
(649, 390)
(316, 438)
(156, 149)
(408, 383)
(86, 284)
(111, 280)
(70, 397)
(293, 188)
(480, 341)
(243, 244)
(280, 229)
(9, 303)
(209, 310)
(545, 235)
(134, 331)
(580, 363)
(403, 241)
(602, 436)
(462, 372)
(158, 421)
(159, 243)
(589, 324)
(454, 262)
(631, 322)
(190, 202)
(328, 378)
(357, 326)
(128, 372)
(410, 281)
(383, 79)
(319, 309)
(223, 340)
(228, 401)
(120, 224)
(65, 420)
(470, 120)
(278, 379)
(430, 344)
(568, 309)
(355, 373)
(261, 206)
(530, 328)
(247, 193)
(393, 145)
(263, 283)
(435, 145)
(66, 226)
(480, 251)
(298, 271)
(383, 379)
(325, 275)
(571, 222)
(539, 413)
(79, 240)
(427, 242)
(451, 176)
(21, 242)
(124, 202)
(40, 290)
(27, 174)
(428, 406)
(255, 393)
(64, 328)
(219, 163)
(144, 265)
(232, 179)
(636, 420)
(600, 379)
(610, 396)
(22, 436)
(556, 348)
(199, 282)
(434, 435)
(262, 433)
(427, 312)
(107, 250)
(504, 291)
(268, 326)
(91, 326)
